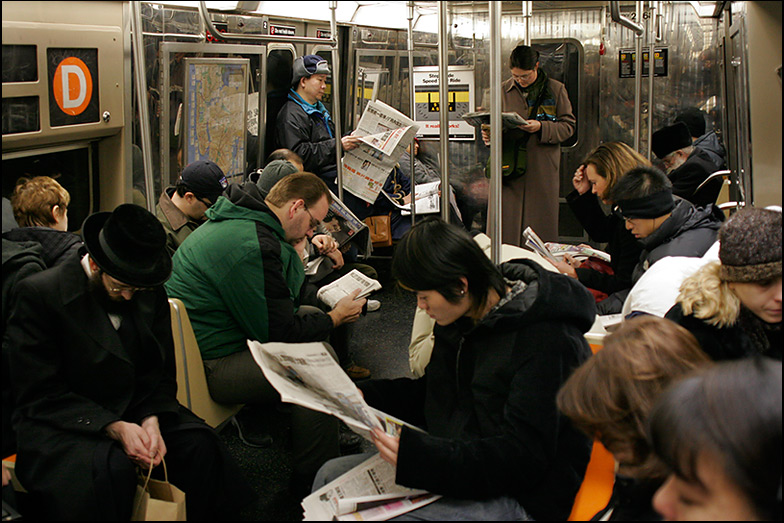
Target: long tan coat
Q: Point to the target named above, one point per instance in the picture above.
(532, 200)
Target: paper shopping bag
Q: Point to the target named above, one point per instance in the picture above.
(158, 500)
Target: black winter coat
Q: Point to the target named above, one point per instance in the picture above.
(686, 178)
(749, 336)
(622, 246)
(307, 135)
(487, 400)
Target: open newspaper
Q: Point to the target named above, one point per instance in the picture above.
(578, 252)
(344, 227)
(385, 133)
(510, 120)
(337, 290)
(367, 492)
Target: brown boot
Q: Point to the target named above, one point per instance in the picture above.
(355, 372)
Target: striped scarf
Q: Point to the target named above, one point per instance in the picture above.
(540, 98)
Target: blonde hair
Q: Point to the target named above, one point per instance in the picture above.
(34, 199)
(707, 297)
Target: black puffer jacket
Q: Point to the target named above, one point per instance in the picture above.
(307, 135)
(487, 400)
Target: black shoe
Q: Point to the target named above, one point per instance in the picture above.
(350, 441)
(259, 441)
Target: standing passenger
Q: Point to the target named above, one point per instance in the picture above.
(531, 199)
(181, 208)
(506, 338)
(93, 370)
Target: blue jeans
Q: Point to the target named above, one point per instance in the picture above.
(501, 508)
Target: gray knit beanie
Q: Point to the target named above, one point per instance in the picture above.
(275, 171)
(750, 246)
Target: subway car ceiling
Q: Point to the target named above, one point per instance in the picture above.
(579, 42)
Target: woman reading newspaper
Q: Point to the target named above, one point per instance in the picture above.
(506, 338)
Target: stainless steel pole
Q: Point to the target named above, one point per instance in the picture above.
(333, 29)
(141, 100)
(637, 77)
(651, 69)
(494, 201)
(443, 104)
(413, 106)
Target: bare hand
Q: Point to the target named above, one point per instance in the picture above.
(6, 476)
(324, 243)
(347, 309)
(387, 446)
(486, 137)
(532, 126)
(134, 440)
(157, 447)
(350, 142)
(337, 258)
(580, 181)
(564, 268)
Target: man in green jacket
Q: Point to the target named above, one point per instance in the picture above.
(239, 277)
(181, 208)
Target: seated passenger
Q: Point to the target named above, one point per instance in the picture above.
(719, 433)
(733, 306)
(93, 371)
(611, 395)
(40, 207)
(694, 119)
(593, 181)
(496, 447)
(181, 208)
(240, 278)
(286, 154)
(686, 166)
(665, 226)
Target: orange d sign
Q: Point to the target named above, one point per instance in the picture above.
(73, 86)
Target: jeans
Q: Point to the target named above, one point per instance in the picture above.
(502, 508)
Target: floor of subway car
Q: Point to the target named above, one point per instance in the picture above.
(379, 343)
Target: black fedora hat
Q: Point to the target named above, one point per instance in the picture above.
(128, 244)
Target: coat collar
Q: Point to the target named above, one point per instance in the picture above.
(177, 218)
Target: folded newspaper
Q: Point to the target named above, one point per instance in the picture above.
(510, 120)
(331, 294)
(385, 133)
(367, 492)
(578, 252)
(535, 242)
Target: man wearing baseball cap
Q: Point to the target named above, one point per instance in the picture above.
(305, 126)
(181, 208)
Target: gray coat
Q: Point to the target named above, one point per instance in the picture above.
(532, 200)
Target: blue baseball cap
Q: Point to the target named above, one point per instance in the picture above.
(205, 179)
(308, 65)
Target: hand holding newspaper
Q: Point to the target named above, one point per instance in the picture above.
(331, 294)
(511, 120)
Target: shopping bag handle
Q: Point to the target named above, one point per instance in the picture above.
(149, 473)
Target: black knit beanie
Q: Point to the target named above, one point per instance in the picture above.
(750, 246)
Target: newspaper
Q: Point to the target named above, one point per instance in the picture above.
(331, 294)
(385, 133)
(428, 199)
(307, 375)
(367, 492)
(535, 242)
(578, 252)
(510, 120)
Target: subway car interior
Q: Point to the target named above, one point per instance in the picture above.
(142, 111)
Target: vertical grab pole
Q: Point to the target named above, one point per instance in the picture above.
(413, 105)
(494, 203)
(141, 100)
(637, 77)
(333, 29)
(443, 105)
(651, 69)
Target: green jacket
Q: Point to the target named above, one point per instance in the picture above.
(239, 279)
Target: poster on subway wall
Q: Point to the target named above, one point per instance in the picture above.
(428, 104)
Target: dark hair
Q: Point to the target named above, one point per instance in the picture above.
(284, 154)
(694, 119)
(640, 182)
(523, 57)
(307, 186)
(730, 413)
(434, 255)
(610, 395)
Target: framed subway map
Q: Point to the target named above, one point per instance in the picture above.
(216, 102)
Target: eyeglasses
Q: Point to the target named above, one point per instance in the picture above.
(115, 286)
(524, 77)
(313, 222)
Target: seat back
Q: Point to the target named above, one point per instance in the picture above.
(192, 390)
(710, 188)
(597, 485)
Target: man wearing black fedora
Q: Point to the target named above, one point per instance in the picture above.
(686, 166)
(93, 370)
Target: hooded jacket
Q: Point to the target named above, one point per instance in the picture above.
(240, 279)
(55, 244)
(487, 400)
